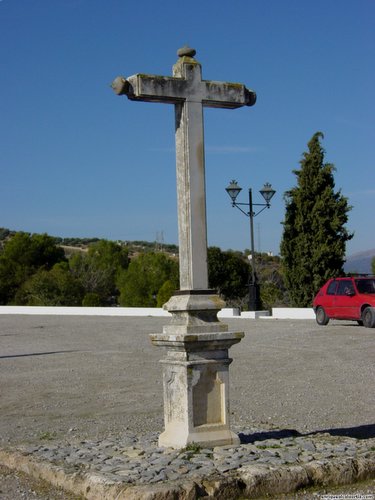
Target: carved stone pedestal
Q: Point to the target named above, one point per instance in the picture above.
(196, 372)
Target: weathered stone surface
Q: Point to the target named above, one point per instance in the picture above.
(196, 393)
(196, 388)
(189, 93)
(194, 313)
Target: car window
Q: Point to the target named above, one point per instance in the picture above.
(332, 288)
(365, 285)
(345, 288)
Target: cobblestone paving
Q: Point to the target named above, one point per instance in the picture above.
(138, 460)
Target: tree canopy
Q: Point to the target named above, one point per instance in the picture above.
(38, 270)
(314, 236)
(56, 287)
(98, 269)
(228, 273)
(22, 256)
(147, 275)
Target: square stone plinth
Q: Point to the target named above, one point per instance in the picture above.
(196, 388)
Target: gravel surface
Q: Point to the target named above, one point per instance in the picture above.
(96, 377)
(19, 486)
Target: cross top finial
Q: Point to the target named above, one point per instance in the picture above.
(186, 51)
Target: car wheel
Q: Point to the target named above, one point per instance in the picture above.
(321, 317)
(368, 317)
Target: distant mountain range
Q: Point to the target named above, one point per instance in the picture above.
(359, 262)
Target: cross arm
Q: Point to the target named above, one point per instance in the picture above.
(151, 88)
(227, 95)
(166, 89)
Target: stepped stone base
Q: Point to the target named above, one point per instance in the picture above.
(196, 373)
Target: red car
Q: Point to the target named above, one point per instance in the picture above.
(350, 298)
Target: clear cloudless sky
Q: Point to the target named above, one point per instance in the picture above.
(77, 160)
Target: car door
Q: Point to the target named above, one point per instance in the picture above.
(328, 300)
(345, 300)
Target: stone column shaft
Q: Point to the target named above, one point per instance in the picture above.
(191, 196)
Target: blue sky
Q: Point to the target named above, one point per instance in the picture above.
(77, 160)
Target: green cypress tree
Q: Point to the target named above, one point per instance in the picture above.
(314, 236)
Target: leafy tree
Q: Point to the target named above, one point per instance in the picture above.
(165, 293)
(271, 295)
(22, 256)
(33, 251)
(272, 288)
(9, 280)
(141, 282)
(91, 299)
(56, 287)
(373, 265)
(97, 270)
(228, 273)
(314, 236)
(108, 254)
(4, 233)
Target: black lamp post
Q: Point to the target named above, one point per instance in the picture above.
(267, 192)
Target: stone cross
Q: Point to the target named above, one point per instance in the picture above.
(189, 94)
(196, 369)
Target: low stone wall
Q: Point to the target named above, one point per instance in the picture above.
(293, 313)
(85, 311)
(277, 313)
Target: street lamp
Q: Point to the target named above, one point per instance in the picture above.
(267, 192)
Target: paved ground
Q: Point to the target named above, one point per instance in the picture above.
(94, 377)
(19, 486)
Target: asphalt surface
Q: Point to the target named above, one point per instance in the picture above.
(95, 377)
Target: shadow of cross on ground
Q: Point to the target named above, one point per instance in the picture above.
(359, 432)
